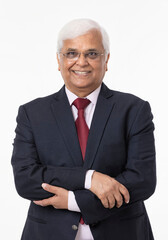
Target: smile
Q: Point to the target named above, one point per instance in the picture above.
(81, 73)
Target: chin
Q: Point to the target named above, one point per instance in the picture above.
(81, 83)
(84, 86)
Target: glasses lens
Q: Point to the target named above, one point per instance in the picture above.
(71, 55)
(92, 55)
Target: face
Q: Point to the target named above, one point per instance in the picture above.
(84, 75)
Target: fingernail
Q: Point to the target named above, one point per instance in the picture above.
(44, 185)
(127, 201)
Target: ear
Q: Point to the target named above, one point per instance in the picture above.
(58, 60)
(108, 56)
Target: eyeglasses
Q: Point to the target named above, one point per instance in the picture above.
(73, 55)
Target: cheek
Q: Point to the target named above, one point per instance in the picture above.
(99, 71)
(64, 68)
(67, 67)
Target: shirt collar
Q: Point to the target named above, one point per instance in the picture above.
(92, 96)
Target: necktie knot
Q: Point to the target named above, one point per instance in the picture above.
(81, 103)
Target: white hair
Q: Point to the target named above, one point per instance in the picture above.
(80, 27)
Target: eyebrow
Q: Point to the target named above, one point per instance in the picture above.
(71, 49)
(88, 50)
(92, 50)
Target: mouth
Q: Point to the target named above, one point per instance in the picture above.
(81, 73)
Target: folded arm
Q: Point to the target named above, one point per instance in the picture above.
(30, 173)
(139, 176)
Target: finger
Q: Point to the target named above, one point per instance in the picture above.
(119, 199)
(105, 202)
(125, 193)
(44, 202)
(111, 201)
(49, 188)
(38, 203)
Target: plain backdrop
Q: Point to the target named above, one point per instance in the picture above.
(138, 32)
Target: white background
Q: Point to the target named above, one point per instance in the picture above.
(139, 60)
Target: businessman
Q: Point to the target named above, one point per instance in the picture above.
(85, 156)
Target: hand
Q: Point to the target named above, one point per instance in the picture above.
(108, 190)
(59, 200)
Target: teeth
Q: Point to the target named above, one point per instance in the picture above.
(82, 73)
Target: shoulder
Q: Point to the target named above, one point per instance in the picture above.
(39, 102)
(126, 103)
(43, 102)
(134, 108)
(131, 102)
(127, 98)
(36, 106)
(121, 97)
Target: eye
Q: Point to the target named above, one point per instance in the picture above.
(92, 55)
(71, 54)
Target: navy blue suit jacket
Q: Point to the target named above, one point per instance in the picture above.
(120, 144)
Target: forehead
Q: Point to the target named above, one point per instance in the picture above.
(90, 40)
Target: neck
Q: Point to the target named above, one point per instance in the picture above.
(82, 93)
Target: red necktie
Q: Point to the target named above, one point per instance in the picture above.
(81, 126)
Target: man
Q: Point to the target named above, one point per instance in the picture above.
(85, 155)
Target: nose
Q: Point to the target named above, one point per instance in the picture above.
(82, 61)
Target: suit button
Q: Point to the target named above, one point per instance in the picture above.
(74, 227)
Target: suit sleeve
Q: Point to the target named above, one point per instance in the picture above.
(30, 173)
(139, 175)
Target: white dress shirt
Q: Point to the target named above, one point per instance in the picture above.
(84, 232)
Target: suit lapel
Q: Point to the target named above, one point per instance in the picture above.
(104, 106)
(64, 118)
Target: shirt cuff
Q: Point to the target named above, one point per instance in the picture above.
(72, 204)
(88, 179)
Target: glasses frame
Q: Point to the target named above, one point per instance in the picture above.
(79, 54)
